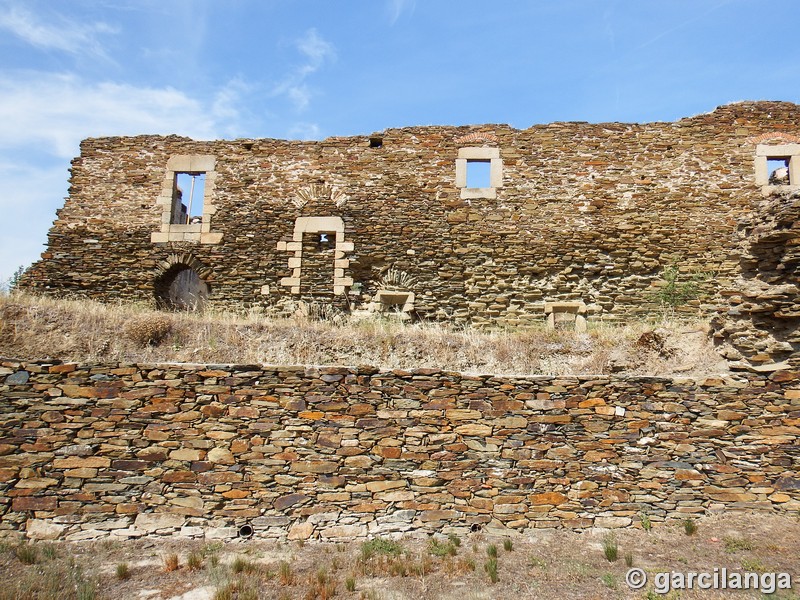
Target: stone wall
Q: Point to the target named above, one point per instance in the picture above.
(576, 212)
(759, 321)
(336, 453)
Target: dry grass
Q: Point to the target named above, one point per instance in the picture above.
(38, 327)
(543, 564)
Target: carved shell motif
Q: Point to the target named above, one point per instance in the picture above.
(319, 191)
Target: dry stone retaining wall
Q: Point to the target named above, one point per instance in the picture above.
(335, 453)
(577, 212)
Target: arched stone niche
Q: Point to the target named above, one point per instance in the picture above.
(181, 283)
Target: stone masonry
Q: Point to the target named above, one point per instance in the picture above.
(569, 213)
(89, 451)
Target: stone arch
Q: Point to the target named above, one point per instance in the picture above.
(181, 283)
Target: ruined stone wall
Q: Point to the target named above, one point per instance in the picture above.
(759, 320)
(578, 212)
(336, 453)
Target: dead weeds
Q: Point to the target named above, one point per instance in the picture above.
(34, 327)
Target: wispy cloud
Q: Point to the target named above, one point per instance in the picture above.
(29, 112)
(397, 7)
(57, 33)
(305, 131)
(316, 52)
(683, 24)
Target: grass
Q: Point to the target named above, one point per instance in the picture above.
(84, 330)
(610, 548)
(490, 566)
(171, 562)
(380, 546)
(27, 554)
(438, 548)
(737, 544)
(689, 526)
(508, 545)
(285, 575)
(321, 587)
(491, 551)
(123, 571)
(241, 565)
(194, 561)
(644, 520)
(56, 580)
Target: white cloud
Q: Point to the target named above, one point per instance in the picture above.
(315, 48)
(43, 117)
(397, 7)
(29, 197)
(317, 52)
(60, 33)
(305, 131)
(59, 110)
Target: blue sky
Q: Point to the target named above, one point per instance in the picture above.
(308, 69)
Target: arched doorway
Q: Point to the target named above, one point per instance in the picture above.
(181, 284)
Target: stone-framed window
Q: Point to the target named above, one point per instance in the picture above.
(777, 165)
(471, 167)
(177, 222)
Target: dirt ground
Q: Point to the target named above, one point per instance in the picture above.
(544, 564)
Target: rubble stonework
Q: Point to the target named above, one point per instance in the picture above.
(574, 212)
(759, 321)
(89, 451)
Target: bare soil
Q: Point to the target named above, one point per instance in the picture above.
(542, 564)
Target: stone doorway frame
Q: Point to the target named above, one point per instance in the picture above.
(340, 263)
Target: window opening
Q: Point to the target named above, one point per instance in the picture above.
(479, 173)
(188, 194)
(376, 142)
(778, 170)
(326, 240)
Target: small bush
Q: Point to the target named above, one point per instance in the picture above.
(610, 548)
(49, 552)
(689, 526)
(350, 584)
(123, 572)
(171, 562)
(491, 551)
(27, 554)
(380, 546)
(644, 519)
(508, 545)
(438, 548)
(148, 330)
(454, 539)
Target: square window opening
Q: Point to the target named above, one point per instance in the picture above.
(778, 170)
(479, 173)
(187, 197)
(376, 142)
